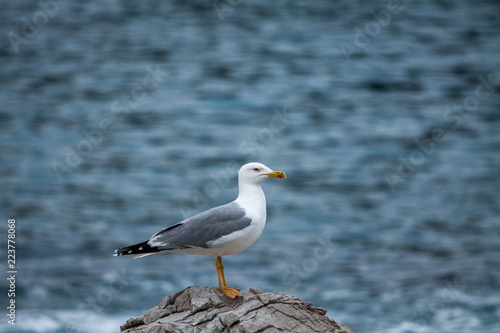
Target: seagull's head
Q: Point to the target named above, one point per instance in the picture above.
(256, 173)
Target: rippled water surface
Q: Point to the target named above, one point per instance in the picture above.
(120, 118)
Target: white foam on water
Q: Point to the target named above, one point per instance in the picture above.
(51, 321)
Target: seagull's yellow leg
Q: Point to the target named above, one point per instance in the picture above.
(218, 263)
(228, 291)
(221, 267)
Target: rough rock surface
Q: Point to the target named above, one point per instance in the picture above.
(202, 309)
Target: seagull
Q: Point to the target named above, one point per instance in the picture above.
(221, 231)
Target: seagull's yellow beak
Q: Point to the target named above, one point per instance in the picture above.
(278, 174)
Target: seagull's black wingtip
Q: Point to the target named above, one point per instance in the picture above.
(140, 248)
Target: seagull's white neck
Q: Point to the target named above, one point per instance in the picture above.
(253, 201)
(251, 195)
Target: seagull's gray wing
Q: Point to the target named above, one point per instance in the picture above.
(199, 230)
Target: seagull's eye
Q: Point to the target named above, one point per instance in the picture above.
(256, 169)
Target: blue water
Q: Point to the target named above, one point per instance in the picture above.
(389, 218)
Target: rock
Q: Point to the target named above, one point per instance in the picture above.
(202, 309)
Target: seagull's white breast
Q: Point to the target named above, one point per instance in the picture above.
(254, 204)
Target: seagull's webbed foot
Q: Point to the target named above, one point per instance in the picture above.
(230, 291)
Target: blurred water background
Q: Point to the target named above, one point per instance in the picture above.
(389, 134)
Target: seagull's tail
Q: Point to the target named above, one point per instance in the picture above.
(138, 250)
